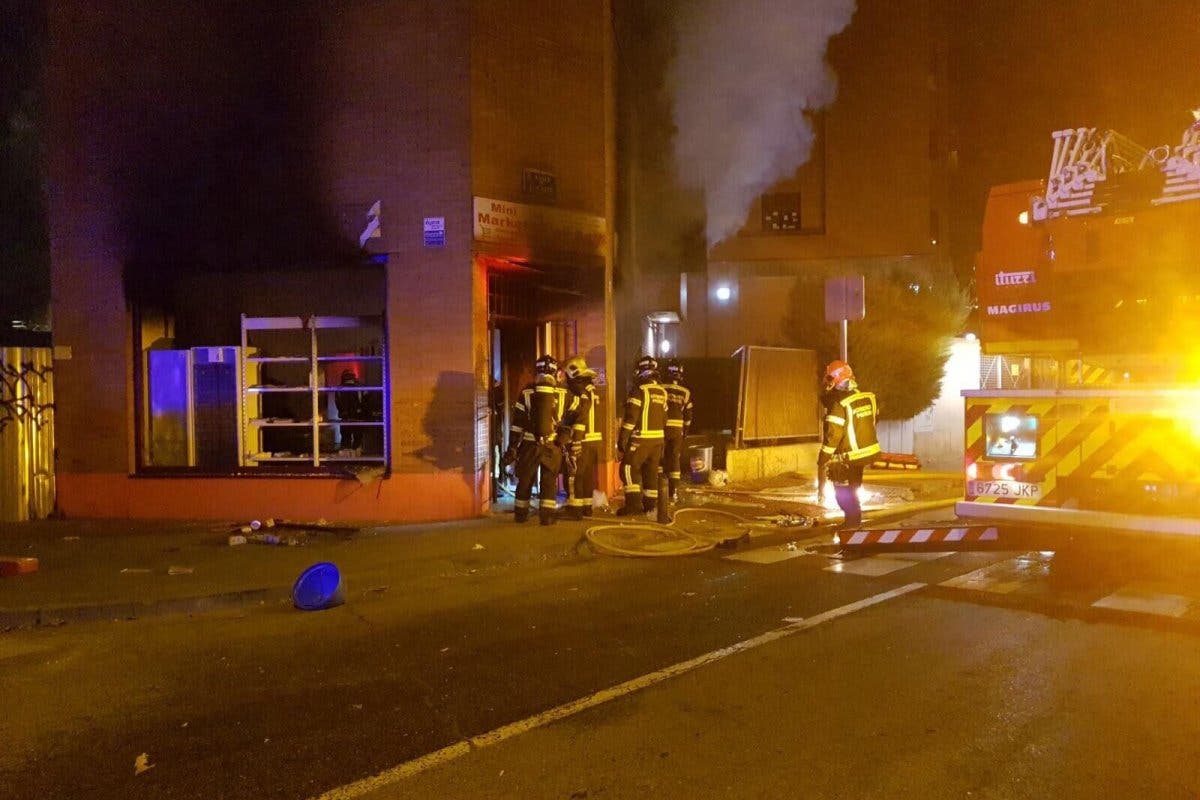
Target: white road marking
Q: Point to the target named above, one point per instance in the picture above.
(1145, 599)
(1003, 577)
(918, 556)
(451, 752)
(765, 555)
(773, 555)
(872, 566)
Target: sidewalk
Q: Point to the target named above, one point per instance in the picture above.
(122, 569)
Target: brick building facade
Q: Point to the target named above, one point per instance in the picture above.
(439, 173)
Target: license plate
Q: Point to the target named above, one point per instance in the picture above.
(1003, 489)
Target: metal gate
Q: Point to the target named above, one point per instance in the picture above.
(26, 433)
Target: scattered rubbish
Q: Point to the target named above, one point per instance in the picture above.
(17, 565)
(366, 475)
(265, 538)
(142, 764)
(501, 773)
(444, 649)
(787, 520)
(378, 589)
(718, 477)
(689, 594)
(477, 546)
(134, 571)
(732, 542)
(357, 706)
(180, 570)
(184, 725)
(580, 794)
(318, 587)
(236, 540)
(70, 538)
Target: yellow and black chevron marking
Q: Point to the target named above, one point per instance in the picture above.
(1083, 438)
(1081, 373)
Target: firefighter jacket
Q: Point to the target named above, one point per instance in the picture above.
(537, 412)
(679, 407)
(645, 415)
(580, 417)
(849, 431)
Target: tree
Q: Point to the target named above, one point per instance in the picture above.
(899, 351)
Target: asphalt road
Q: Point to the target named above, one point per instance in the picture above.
(971, 675)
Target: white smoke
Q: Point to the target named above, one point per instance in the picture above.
(744, 73)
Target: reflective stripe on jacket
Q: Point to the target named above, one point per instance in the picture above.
(849, 428)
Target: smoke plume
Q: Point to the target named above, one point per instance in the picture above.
(745, 72)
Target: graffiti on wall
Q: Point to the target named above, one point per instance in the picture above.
(20, 394)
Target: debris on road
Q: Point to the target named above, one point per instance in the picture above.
(477, 546)
(17, 565)
(70, 538)
(180, 570)
(718, 477)
(142, 764)
(319, 587)
(134, 571)
(237, 539)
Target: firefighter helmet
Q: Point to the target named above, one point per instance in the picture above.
(647, 368)
(546, 365)
(576, 367)
(674, 370)
(837, 373)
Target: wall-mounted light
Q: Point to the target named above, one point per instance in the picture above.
(665, 346)
(723, 293)
(1023, 218)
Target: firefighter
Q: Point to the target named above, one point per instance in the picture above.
(640, 443)
(533, 441)
(582, 436)
(848, 441)
(679, 421)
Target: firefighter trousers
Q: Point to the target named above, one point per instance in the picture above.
(582, 485)
(534, 458)
(847, 494)
(672, 456)
(639, 472)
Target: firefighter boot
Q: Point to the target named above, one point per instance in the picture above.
(633, 504)
(546, 516)
(521, 510)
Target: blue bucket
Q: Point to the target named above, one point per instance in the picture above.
(318, 587)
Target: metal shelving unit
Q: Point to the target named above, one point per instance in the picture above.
(254, 422)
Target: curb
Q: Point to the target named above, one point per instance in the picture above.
(53, 616)
(908, 509)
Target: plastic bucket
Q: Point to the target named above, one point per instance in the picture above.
(701, 459)
(318, 587)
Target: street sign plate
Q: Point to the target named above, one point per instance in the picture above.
(845, 298)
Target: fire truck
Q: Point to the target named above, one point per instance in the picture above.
(1088, 285)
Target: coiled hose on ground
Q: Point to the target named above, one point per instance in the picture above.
(643, 538)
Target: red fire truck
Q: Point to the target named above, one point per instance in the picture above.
(1089, 290)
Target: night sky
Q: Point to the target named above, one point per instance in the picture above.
(1019, 70)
